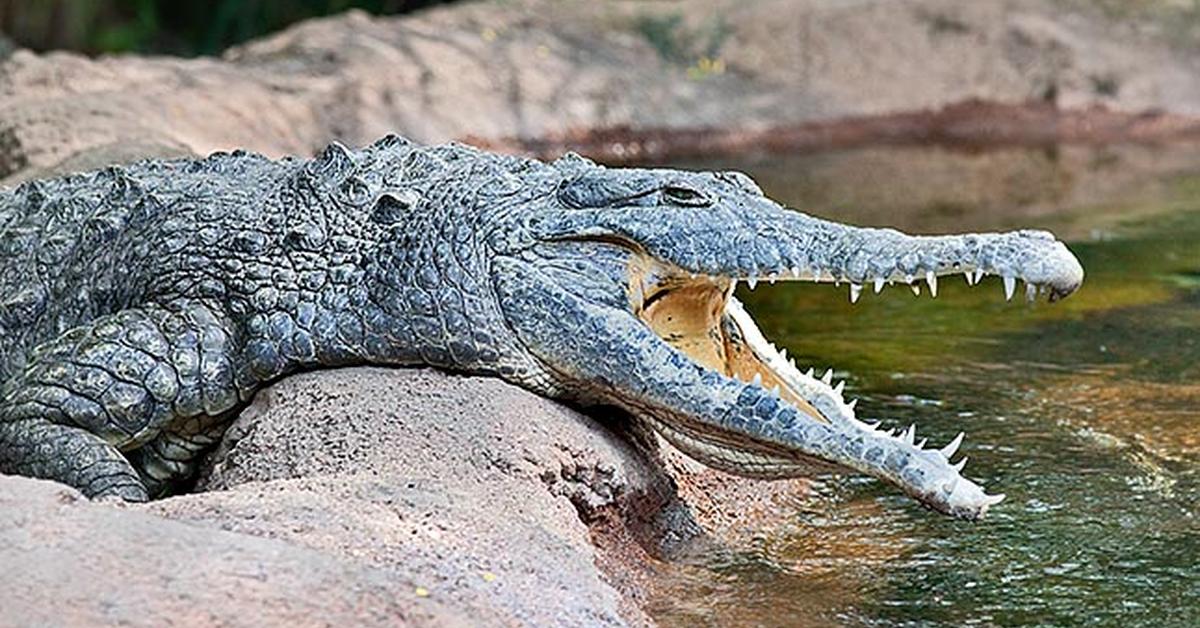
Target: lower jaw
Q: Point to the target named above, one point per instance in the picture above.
(702, 320)
(748, 460)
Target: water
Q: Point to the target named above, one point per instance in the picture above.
(1086, 412)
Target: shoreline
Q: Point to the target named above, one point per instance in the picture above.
(973, 125)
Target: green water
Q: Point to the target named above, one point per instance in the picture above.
(1086, 412)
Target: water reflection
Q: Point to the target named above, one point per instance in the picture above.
(1086, 413)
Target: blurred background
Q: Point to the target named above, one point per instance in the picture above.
(205, 27)
(178, 27)
(1078, 116)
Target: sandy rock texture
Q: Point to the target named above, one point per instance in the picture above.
(360, 496)
(374, 496)
(69, 562)
(546, 75)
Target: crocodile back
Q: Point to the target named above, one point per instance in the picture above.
(83, 245)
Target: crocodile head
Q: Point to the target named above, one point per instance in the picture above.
(620, 283)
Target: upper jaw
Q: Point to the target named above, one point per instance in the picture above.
(765, 242)
(881, 257)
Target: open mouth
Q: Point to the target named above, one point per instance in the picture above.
(698, 315)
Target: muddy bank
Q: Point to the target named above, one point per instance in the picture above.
(622, 81)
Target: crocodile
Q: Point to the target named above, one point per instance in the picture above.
(142, 306)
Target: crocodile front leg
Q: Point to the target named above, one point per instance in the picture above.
(150, 383)
(41, 449)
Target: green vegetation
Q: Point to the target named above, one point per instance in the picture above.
(698, 48)
(179, 27)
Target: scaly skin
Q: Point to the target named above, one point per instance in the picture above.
(142, 307)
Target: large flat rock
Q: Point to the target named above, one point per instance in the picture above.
(69, 562)
(359, 497)
(477, 489)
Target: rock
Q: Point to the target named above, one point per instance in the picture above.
(361, 496)
(69, 562)
(478, 490)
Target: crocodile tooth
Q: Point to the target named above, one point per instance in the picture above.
(855, 292)
(752, 281)
(878, 284)
(772, 277)
(992, 500)
(840, 387)
(792, 363)
(1010, 286)
(910, 434)
(961, 463)
(952, 447)
(979, 275)
(783, 354)
(809, 373)
(757, 381)
(853, 403)
(967, 275)
(827, 378)
(916, 288)
(931, 279)
(1031, 292)
(921, 445)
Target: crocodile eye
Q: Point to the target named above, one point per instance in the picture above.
(685, 196)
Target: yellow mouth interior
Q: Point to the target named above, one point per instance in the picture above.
(689, 314)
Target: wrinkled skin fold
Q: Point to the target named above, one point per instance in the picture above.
(142, 307)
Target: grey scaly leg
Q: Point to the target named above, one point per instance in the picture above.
(39, 448)
(155, 382)
(171, 456)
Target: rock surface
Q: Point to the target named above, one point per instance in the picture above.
(477, 489)
(69, 562)
(550, 74)
(358, 496)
